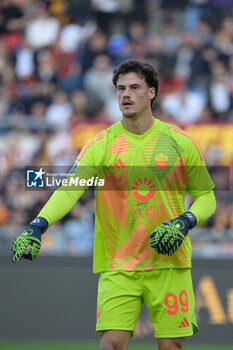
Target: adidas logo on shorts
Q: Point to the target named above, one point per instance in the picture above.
(184, 323)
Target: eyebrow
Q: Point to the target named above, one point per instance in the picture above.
(131, 85)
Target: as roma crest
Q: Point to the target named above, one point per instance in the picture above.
(161, 160)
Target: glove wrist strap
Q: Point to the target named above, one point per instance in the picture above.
(40, 223)
(191, 219)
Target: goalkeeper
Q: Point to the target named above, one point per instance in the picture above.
(142, 247)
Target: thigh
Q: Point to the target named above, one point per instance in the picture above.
(170, 300)
(119, 301)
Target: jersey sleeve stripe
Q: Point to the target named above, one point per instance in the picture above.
(90, 143)
(190, 138)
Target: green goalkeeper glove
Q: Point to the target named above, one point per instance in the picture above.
(27, 244)
(168, 236)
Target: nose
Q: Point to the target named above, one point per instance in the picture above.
(126, 93)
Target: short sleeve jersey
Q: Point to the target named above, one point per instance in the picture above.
(146, 177)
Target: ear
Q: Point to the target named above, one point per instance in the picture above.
(151, 92)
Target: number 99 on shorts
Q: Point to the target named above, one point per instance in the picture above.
(175, 303)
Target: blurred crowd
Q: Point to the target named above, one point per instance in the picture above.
(56, 63)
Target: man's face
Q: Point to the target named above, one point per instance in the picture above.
(134, 95)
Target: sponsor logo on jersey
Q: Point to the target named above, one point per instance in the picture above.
(143, 189)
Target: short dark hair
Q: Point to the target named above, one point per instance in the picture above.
(143, 69)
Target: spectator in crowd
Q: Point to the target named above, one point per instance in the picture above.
(38, 110)
(185, 106)
(12, 23)
(204, 31)
(12, 19)
(111, 14)
(98, 80)
(219, 92)
(137, 39)
(195, 10)
(59, 111)
(73, 34)
(46, 65)
(94, 46)
(42, 30)
(24, 61)
(170, 38)
(79, 100)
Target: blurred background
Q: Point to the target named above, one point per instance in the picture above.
(56, 63)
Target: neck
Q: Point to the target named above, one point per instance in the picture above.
(138, 124)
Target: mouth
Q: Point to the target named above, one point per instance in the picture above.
(127, 103)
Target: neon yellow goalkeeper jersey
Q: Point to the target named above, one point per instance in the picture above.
(146, 177)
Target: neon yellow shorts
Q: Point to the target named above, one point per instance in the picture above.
(168, 294)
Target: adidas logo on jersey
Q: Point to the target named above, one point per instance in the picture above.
(119, 165)
(184, 323)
